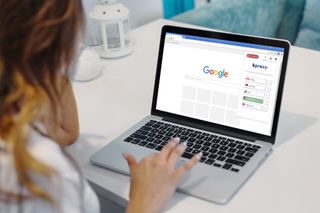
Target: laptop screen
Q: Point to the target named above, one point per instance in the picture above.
(230, 83)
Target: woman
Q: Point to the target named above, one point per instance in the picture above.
(38, 117)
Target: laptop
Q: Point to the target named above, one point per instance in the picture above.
(221, 94)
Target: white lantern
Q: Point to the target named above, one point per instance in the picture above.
(114, 27)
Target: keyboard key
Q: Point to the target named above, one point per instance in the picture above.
(232, 145)
(205, 134)
(240, 152)
(207, 144)
(217, 165)
(222, 138)
(213, 150)
(249, 154)
(162, 132)
(151, 145)
(229, 155)
(232, 150)
(216, 146)
(148, 124)
(224, 148)
(213, 156)
(205, 148)
(195, 151)
(234, 170)
(239, 142)
(200, 141)
(155, 130)
(136, 140)
(187, 155)
(205, 154)
(169, 134)
(189, 149)
(142, 143)
(221, 153)
(184, 138)
(192, 135)
(156, 126)
(197, 146)
(224, 143)
(235, 162)
(208, 139)
(159, 137)
(242, 158)
(149, 139)
(166, 138)
(158, 141)
(249, 149)
(256, 146)
(202, 159)
(230, 140)
(240, 147)
(146, 128)
(128, 139)
(151, 134)
(190, 144)
(192, 139)
(159, 147)
(142, 137)
(200, 137)
(227, 166)
(221, 158)
(209, 161)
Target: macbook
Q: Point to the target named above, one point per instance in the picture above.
(221, 94)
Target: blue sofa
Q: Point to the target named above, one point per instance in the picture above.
(295, 20)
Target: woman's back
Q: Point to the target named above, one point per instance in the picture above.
(67, 187)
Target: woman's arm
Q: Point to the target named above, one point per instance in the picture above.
(68, 126)
(65, 127)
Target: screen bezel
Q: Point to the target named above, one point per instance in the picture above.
(230, 37)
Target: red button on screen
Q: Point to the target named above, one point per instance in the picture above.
(252, 56)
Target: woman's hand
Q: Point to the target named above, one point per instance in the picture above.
(155, 178)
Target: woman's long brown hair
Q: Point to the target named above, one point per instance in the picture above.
(37, 43)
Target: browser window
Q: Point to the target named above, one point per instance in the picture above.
(225, 82)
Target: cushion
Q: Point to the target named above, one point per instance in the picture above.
(309, 34)
(291, 20)
(254, 17)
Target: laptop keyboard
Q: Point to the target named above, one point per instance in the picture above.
(218, 151)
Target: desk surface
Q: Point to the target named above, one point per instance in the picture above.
(287, 182)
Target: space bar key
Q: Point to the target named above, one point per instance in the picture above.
(235, 162)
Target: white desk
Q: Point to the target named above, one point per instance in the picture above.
(287, 182)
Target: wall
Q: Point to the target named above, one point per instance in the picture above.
(141, 11)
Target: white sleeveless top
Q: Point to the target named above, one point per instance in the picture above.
(65, 188)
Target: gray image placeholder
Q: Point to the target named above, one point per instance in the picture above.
(217, 114)
(204, 96)
(189, 92)
(202, 111)
(219, 99)
(187, 107)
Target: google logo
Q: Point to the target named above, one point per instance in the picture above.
(220, 74)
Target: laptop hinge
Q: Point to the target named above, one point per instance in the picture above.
(210, 129)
